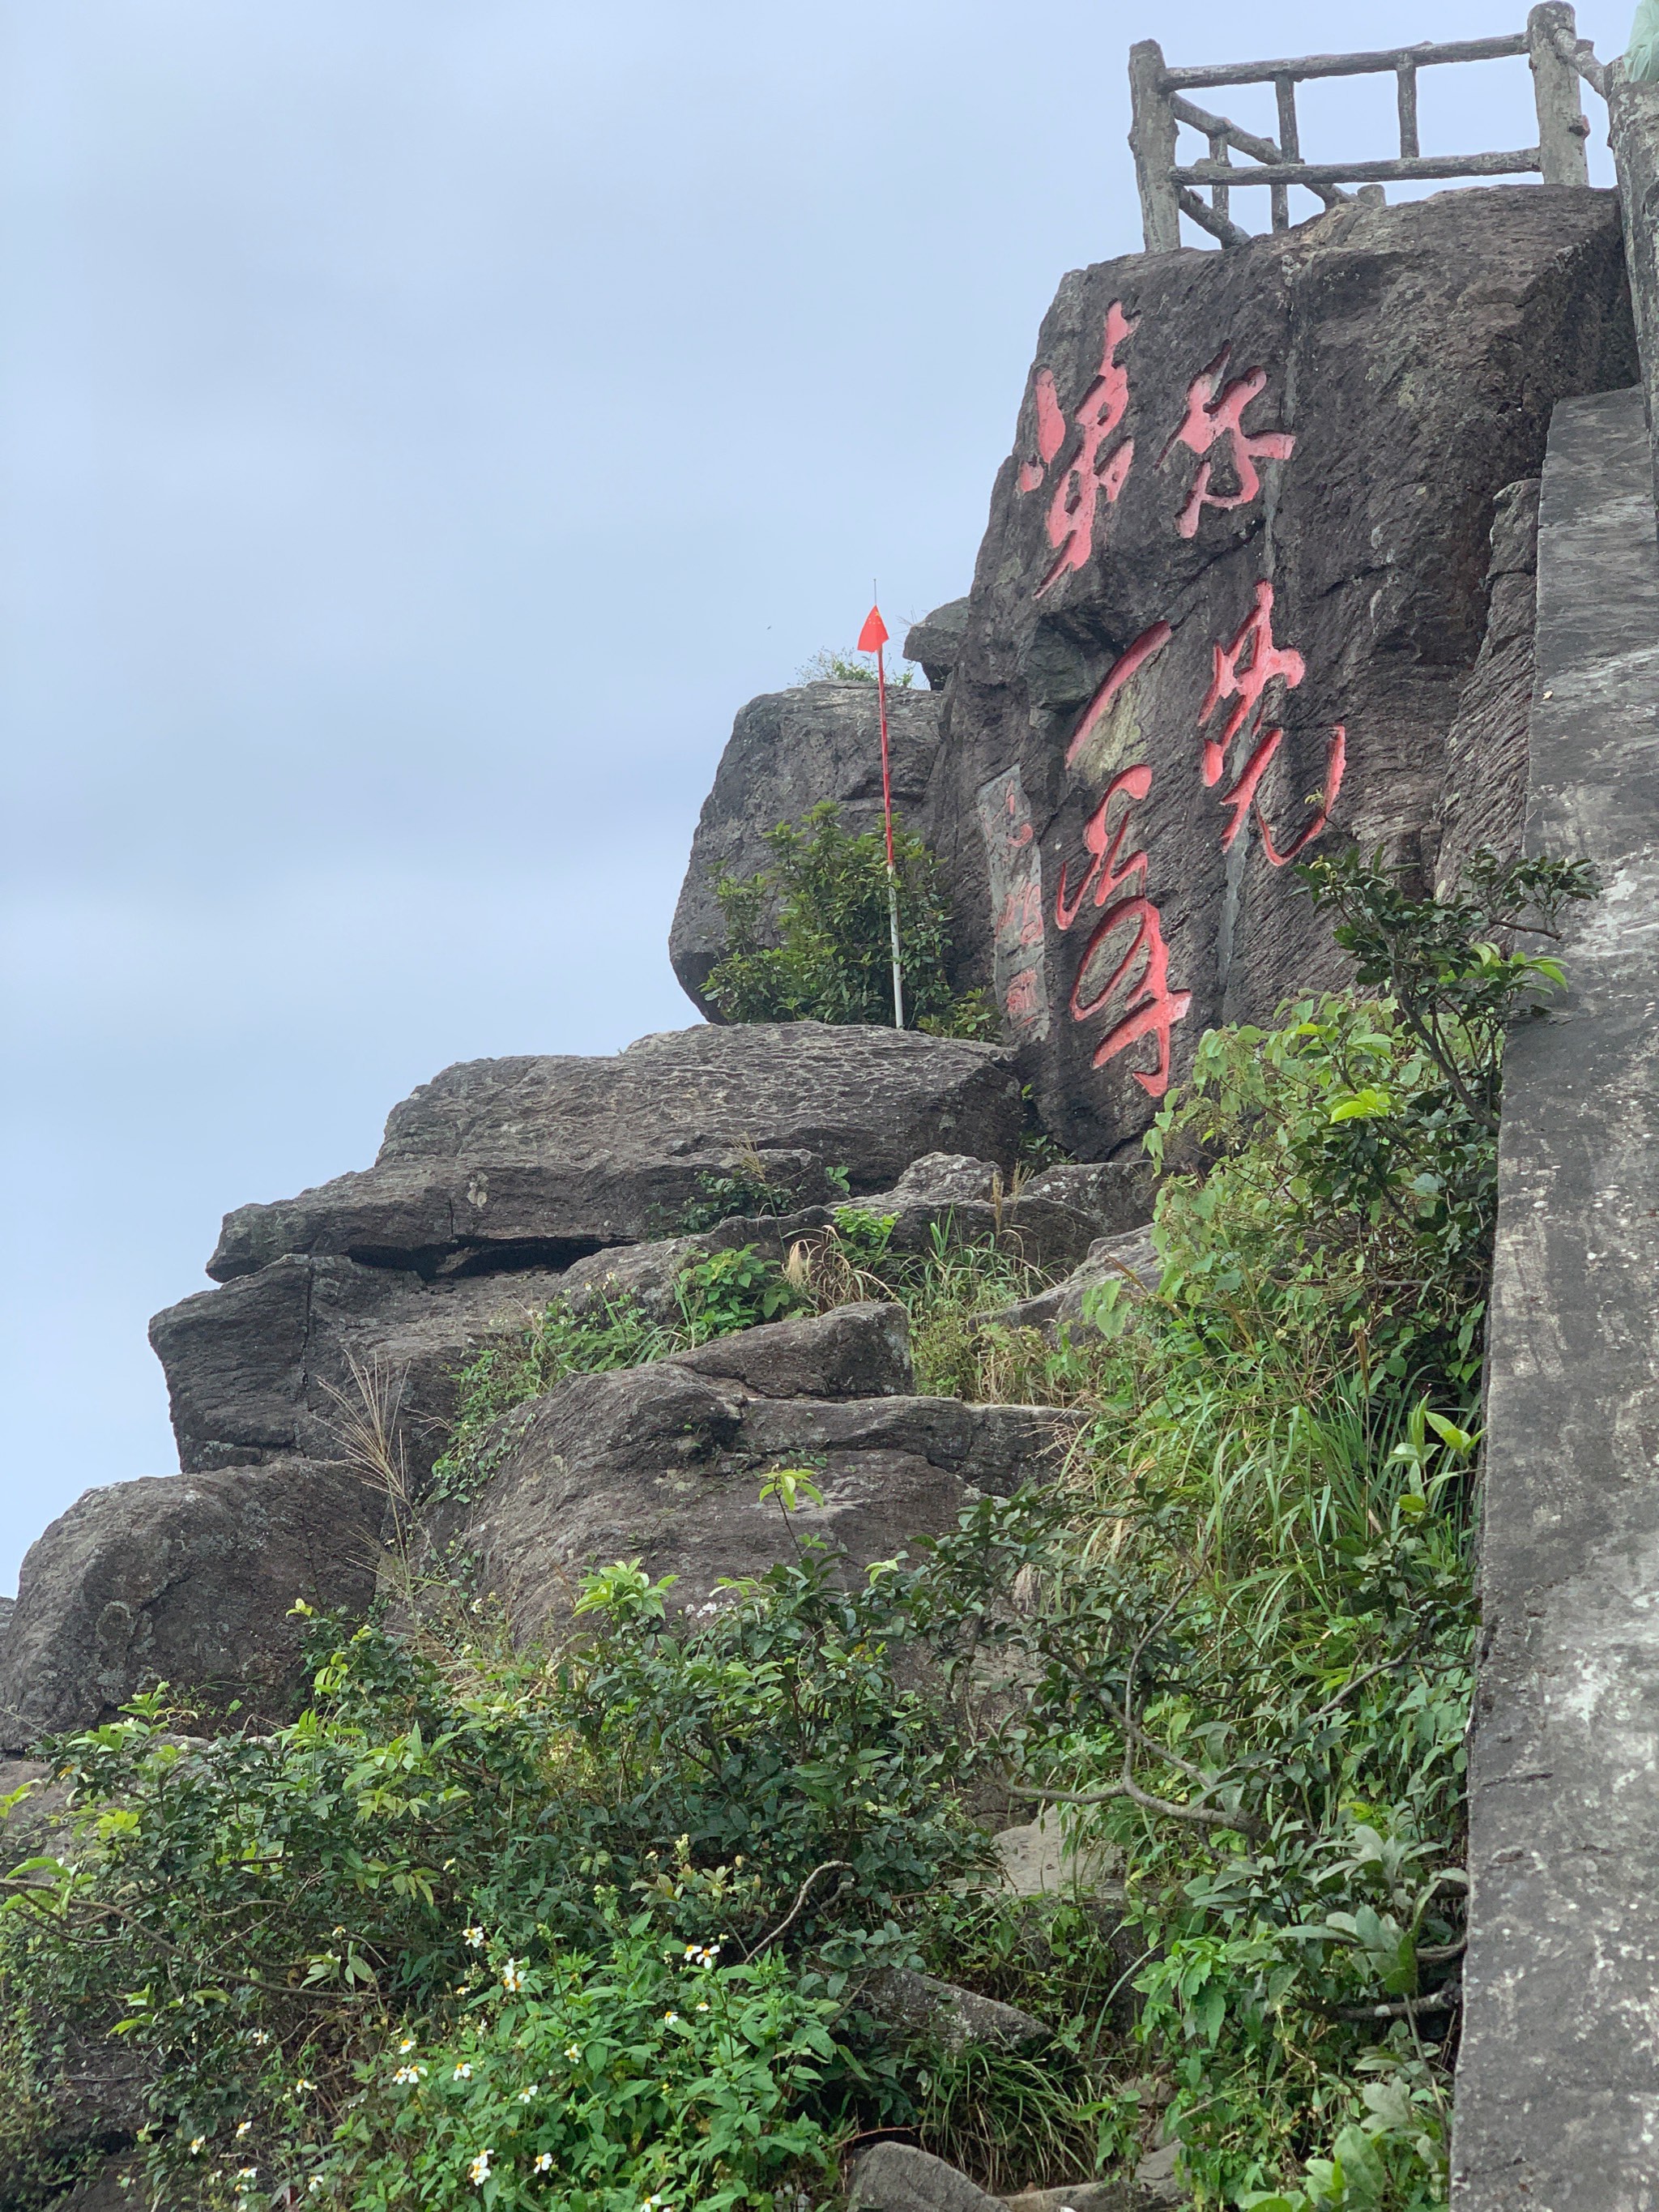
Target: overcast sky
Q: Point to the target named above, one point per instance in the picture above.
(423, 424)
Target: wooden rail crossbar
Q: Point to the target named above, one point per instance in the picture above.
(1171, 189)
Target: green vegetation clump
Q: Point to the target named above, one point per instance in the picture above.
(830, 666)
(715, 1296)
(600, 1925)
(807, 939)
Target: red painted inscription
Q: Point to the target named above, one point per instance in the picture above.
(1215, 411)
(1098, 466)
(1138, 986)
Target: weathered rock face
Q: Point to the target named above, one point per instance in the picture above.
(1130, 1261)
(186, 1578)
(789, 750)
(1229, 591)
(936, 641)
(276, 1362)
(1484, 798)
(1050, 1220)
(666, 1463)
(504, 1162)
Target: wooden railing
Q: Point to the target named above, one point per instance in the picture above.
(1170, 189)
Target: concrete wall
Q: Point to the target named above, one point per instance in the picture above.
(1558, 2105)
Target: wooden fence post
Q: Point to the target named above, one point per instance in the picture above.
(1562, 128)
(1152, 142)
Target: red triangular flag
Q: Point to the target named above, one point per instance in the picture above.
(874, 633)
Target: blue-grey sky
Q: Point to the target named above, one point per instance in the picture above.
(423, 424)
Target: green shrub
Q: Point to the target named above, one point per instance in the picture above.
(808, 938)
(832, 667)
(645, 2074)
(715, 1295)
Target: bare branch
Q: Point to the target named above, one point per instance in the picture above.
(1244, 1824)
(830, 1866)
(1446, 2000)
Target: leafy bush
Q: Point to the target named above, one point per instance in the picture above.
(808, 938)
(646, 2074)
(268, 1922)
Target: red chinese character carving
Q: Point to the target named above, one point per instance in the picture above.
(1243, 668)
(1216, 410)
(1096, 466)
(1050, 431)
(1104, 877)
(1023, 998)
(1153, 1008)
(1020, 919)
(1150, 1008)
(1336, 759)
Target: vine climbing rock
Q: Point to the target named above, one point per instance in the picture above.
(790, 750)
(515, 1163)
(1229, 596)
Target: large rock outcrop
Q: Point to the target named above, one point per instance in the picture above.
(789, 750)
(283, 1361)
(503, 1162)
(1228, 596)
(189, 1579)
(665, 1464)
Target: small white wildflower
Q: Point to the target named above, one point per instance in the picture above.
(302, 2085)
(406, 2045)
(478, 2172)
(244, 2128)
(463, 2071)
(527, 2094)
(702, 2008)
(513, 1977)
(248, 2173)
(544, 2162)
(259, 2036)
(317, 2185)
(690, 1950)
(475, 1936)
(572, 2052)
(196, 2144)
(669, 2018)
(334, 1931)
(407, 2075)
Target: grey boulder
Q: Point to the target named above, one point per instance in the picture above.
(535, 1161)
(283, 1361)
(1130, 1260)
(790, 750)
(861, 1350)
(665, 1465)
(894, 2177)
(922, 2005)
(936, 640)
(189, 1579)
(1236, 547)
